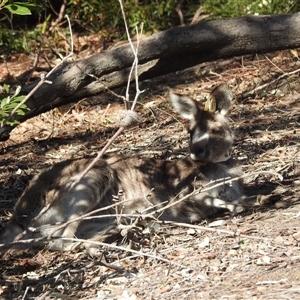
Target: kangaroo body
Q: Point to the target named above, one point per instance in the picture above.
(133, 185)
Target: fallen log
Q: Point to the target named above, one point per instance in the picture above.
(162, 53)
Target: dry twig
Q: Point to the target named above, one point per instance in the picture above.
(111, 140)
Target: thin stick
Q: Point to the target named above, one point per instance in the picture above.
(110, 141)
(173, 202)
(75, 182)
(43, 78)
(203, 189)
(261, 87)
(229, 232)
(121, 248)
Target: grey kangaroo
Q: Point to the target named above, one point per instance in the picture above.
(143, 184)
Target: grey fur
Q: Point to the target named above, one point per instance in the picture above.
(146, 184)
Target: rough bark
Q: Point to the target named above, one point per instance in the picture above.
(163, 53)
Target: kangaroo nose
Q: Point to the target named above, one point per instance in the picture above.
(200, 150)
(199, 153)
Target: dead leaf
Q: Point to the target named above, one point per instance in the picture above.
(264, 260)
(294, 53)
(279, 240)
(217, 223)
(204, 243)
(191, 231)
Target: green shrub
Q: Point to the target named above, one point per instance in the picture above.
(105, 18)
(9, 103)
(234, 8)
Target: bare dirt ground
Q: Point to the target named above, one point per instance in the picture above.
(254, 255)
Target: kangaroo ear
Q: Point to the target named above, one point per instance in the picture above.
(220, 99)
(186, 106)
(210, 104)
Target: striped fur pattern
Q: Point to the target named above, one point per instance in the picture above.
(137, 185)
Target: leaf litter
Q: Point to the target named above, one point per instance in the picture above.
(253, 255)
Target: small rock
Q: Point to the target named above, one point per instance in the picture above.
(191, 231)
(280, 204)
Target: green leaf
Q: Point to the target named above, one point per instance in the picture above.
(6, 88)
(8, 104)
(3, 102)
(12, 123)
(19, 98)
(24, 107)
(4, 114)
(18, 9)
(20, 112)
(30, 6)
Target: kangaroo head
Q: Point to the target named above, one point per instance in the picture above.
(211, 137)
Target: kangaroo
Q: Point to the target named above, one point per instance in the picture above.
(139, 185)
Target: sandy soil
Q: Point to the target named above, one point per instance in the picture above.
(254, 255)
